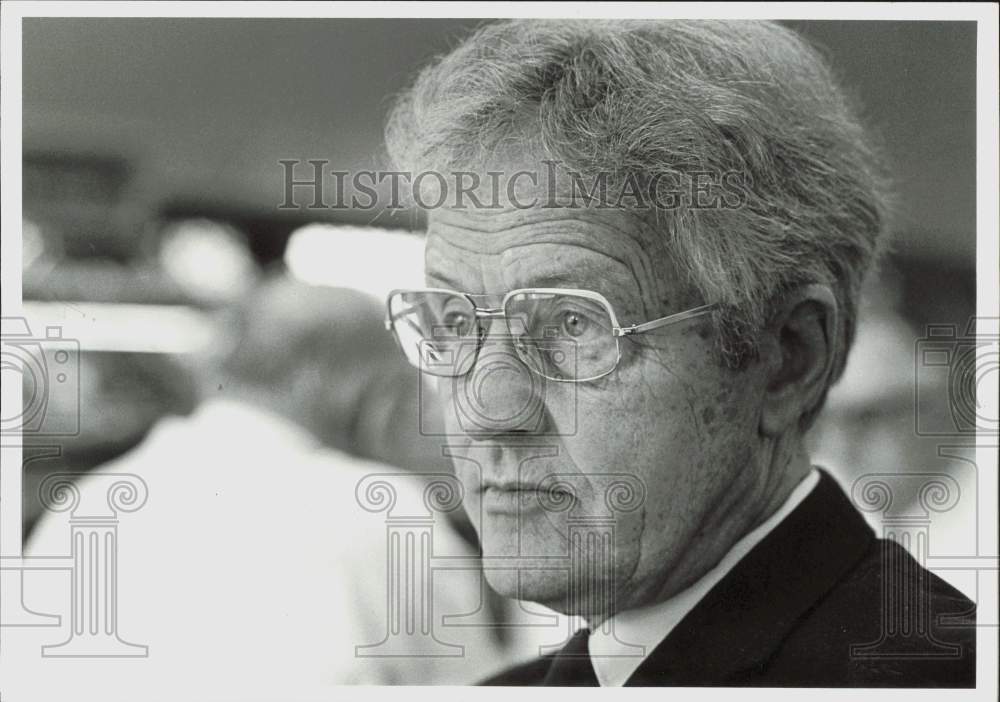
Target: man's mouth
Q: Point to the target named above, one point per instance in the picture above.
(519, 498)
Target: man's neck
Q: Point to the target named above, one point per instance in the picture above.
(786, 480)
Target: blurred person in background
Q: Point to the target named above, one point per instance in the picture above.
(268, 571)
(125, 395)
(319, 355)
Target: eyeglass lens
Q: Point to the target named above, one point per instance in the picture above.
(561, 336)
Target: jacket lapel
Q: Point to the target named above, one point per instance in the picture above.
(745, 617)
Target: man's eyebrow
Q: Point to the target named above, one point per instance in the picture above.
(443, 280)
(549, 279)
(555, 280)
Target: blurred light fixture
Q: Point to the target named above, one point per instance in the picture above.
(209, 260)
(32, 243)
(368, 259)
(100, 326)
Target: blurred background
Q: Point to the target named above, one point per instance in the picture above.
(152, 180)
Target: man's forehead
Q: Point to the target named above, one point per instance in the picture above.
(548, 248)
(491, 232)
(519, 192)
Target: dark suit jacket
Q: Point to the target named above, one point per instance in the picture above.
(819, 602)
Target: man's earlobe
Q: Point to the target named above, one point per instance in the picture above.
(802, 342)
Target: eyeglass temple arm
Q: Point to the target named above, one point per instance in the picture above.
(663, 321)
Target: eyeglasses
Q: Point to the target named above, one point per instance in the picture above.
(561, 334)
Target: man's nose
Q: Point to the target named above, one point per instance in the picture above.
(501, 394)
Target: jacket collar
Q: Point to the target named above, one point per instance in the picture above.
(747, 615)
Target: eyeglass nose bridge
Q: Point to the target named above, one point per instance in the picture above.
(489, 312)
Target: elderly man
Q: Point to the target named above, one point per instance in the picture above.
(639, 291)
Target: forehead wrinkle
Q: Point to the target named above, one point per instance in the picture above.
(471, 237)
(463, 236)
(494, 220)
(502, 235)
(508, 258)
(438, 263)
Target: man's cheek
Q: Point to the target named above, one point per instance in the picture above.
(445, 392)
(606, 438)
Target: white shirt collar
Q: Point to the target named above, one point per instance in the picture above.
(645, 627)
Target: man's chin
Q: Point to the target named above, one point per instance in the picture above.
(548, 588)
(523, 564)
(529, 559)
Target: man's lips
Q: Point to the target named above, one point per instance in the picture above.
(518, 500)
(509, 486)
(517, 497)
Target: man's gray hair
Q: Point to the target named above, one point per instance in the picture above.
(640, 98)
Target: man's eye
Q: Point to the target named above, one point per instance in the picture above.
(459, 321)
(574, 324)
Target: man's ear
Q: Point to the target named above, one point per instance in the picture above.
(800, 344)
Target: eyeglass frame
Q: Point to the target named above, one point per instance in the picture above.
(617, 331)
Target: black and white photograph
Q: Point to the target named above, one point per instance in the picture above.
(352, 347)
